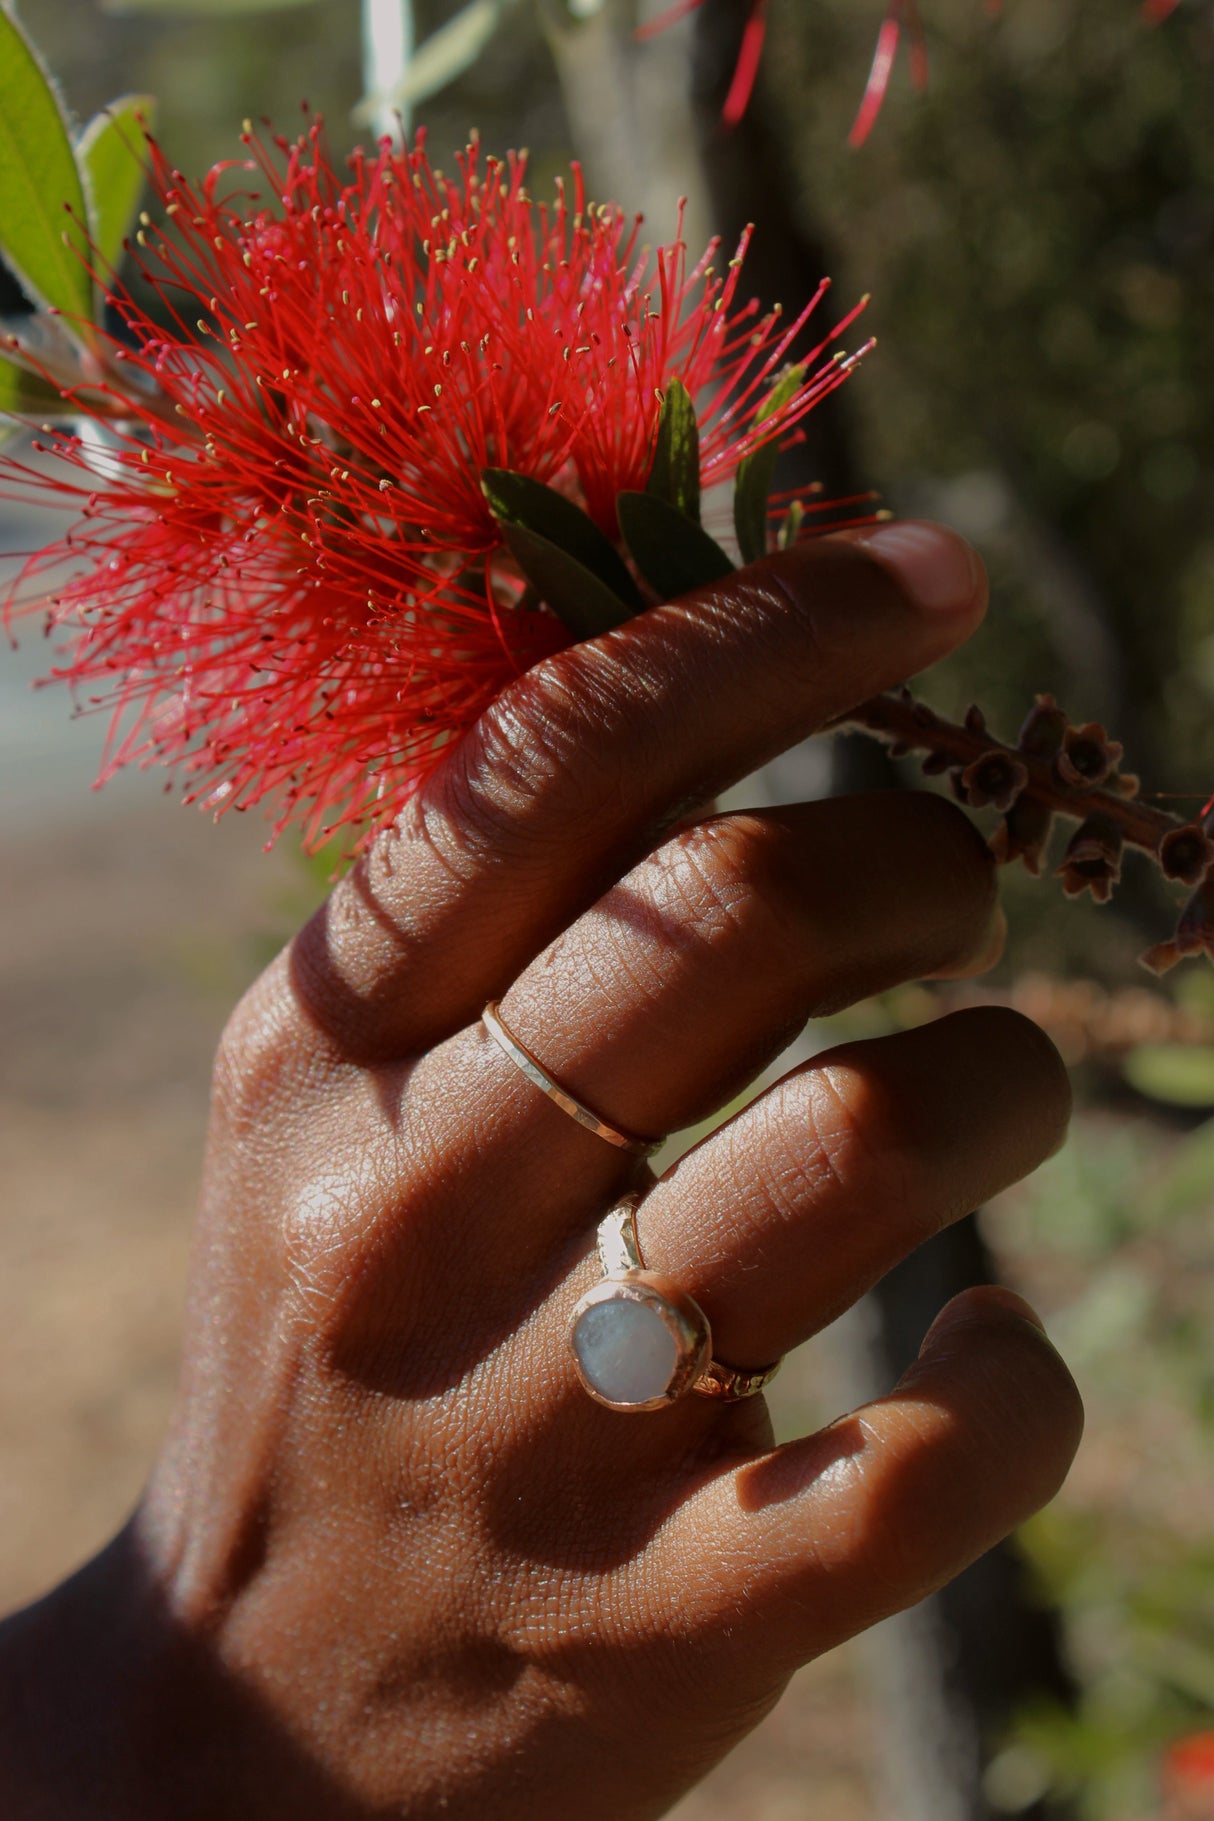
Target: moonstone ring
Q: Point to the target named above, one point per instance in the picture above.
(638, 1341)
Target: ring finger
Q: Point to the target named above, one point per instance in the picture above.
(780, 1220)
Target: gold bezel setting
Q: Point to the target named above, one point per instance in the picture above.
(679, 1314)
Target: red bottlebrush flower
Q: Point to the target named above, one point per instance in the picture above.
(285, 577)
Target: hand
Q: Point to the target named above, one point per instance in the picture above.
(394, 1560)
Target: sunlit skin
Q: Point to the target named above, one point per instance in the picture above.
(392, 1559)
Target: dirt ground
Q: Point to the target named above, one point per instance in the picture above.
(127, 929)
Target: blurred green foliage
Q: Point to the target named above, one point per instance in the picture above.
(1114, 1236)
(1038, 234)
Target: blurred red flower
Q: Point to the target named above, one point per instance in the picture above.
(1188, 1778)
(901, 13)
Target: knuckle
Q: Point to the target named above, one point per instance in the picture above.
(264, 1055)
(821, 1145)
(857, 1144)
(542, 765)
(710, 877)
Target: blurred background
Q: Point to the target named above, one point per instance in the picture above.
(1037, 230)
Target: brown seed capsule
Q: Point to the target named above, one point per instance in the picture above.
(1186, 853)
(1043, 729)
(1024, 833)
(1194, 932)
(1092, 861)
(1088, 756)
(996, 778)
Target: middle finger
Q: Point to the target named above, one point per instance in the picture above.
(675, 990)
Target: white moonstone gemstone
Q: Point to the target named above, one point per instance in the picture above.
(625, 1350)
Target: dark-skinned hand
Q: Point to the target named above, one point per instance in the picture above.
(393, 1560)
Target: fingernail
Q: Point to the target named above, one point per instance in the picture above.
(970, 1305)
(935, 567)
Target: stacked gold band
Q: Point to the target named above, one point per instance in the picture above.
(523, 1060)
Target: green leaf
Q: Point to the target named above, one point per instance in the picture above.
(38, 176)
(574, 593)
(26, 395)
(1182, 1075)
(672, 552)
(752, 486)
(517, 499)
(439, 59)
(675, 475)
(111, 156)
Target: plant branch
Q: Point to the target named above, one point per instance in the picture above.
(1056, 769)
(908, 725)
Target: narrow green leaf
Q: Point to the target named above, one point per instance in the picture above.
(517, 499)
(39, 240)
(111, 155)
(574, 593)
(672, 552)
(675, 475)
(752, 486)
(439, 59)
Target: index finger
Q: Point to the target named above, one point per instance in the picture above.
(578, 768)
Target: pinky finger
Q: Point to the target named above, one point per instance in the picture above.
(791, 1553)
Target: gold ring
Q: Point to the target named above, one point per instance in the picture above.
(638, 1341)
(522, 1059)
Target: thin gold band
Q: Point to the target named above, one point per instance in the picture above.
(619, 1251)
(523, 1060)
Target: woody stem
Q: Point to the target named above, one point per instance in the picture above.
(902, 722)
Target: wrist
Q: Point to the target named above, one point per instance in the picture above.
(72, 1666)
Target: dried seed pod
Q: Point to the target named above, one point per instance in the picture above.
(1186, 853)
(1024, 833)
(997, 778)
(1194, 931)
(1092, 861)
(1088, 756)
(1042, 732)
(935, 763)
